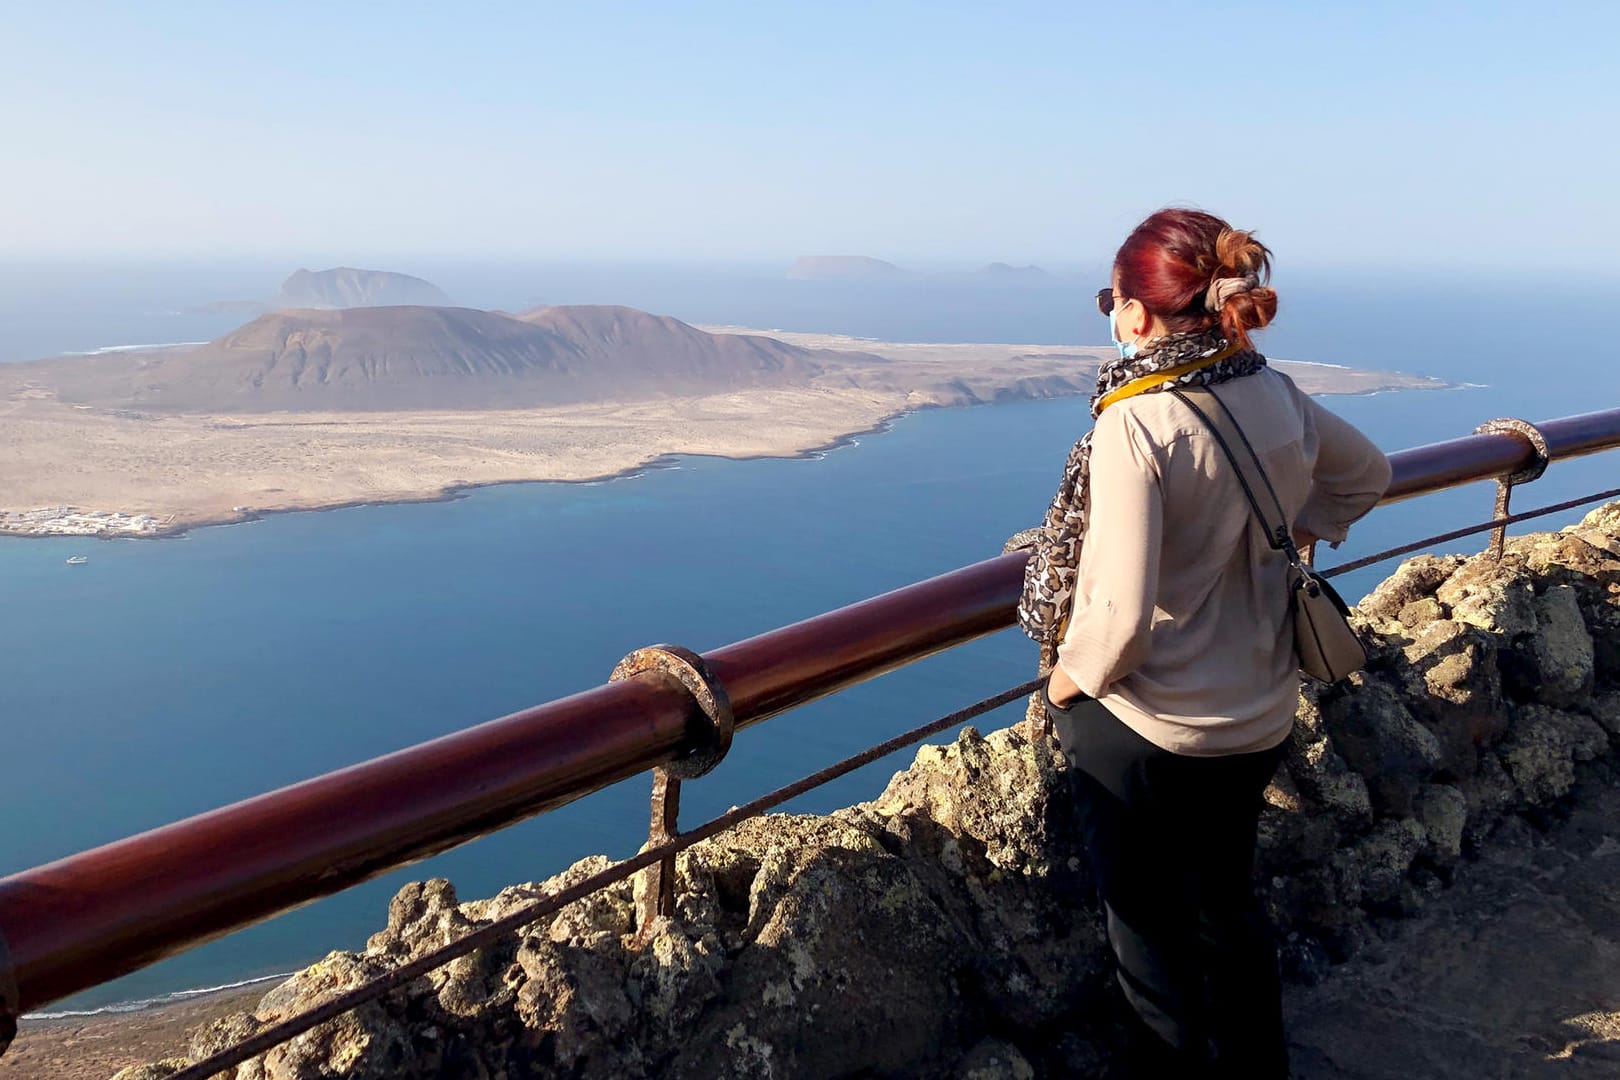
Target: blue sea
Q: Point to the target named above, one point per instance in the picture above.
(164, 678)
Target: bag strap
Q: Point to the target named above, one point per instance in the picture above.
(1255, 457)
(1251, 474)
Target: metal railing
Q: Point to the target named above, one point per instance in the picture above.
(99, 914)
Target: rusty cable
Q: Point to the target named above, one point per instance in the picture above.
(1456, 534)
(372, 989)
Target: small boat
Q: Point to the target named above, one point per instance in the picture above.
(78, 560)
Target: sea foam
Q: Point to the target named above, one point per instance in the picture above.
(142, 1004)
(134, 348)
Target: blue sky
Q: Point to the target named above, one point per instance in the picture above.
(1442, 135)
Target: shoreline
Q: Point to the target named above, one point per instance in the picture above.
(95, 1044)
(663, 462)
(890, 412)
(162, 1001)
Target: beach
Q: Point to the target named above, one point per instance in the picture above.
(94, 1047)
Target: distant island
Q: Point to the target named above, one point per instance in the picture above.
(1004, 272)
(337, 288)
(346, 287)
(310, 409)
(843, 268)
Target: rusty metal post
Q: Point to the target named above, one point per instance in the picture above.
(666, 811)
(1504, 506)
(1505, 484)
(687, 668)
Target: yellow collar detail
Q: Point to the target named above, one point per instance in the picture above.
(1159, 378)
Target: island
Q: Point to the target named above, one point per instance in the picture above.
(843, 268)
(347, 287)
(1001, 271)
(339, 287)
(320, 408)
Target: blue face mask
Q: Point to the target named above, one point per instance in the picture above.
(1127, 349)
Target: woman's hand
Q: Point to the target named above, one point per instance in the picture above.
(1060, 688)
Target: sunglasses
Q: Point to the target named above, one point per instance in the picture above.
(1106, 301)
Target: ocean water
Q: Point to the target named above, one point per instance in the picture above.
(164, 678)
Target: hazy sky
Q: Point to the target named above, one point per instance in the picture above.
(1470, 135)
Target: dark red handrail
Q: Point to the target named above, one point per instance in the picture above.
(99, 914)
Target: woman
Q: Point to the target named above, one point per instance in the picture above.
(1176, 679)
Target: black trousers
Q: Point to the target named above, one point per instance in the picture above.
(1171, 845)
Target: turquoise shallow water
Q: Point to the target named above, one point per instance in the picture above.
(164, 678)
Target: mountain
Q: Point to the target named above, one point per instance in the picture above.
(637, 345)
(411, 357)
(842, 268)
(346, 287)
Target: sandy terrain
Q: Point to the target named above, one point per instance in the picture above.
(189, 469)
(95, 1047)
(924, 364)
(198, 468)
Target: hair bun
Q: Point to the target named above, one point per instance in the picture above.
(1238, 253)
(1224, 288)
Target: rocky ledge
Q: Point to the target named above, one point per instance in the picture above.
(946, 928)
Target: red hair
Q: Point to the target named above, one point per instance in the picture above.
(1169, 261)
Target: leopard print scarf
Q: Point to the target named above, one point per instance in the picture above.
(1054, 566)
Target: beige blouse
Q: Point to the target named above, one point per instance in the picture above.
(1181, 625)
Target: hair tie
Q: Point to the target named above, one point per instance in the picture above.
(1223, 289)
